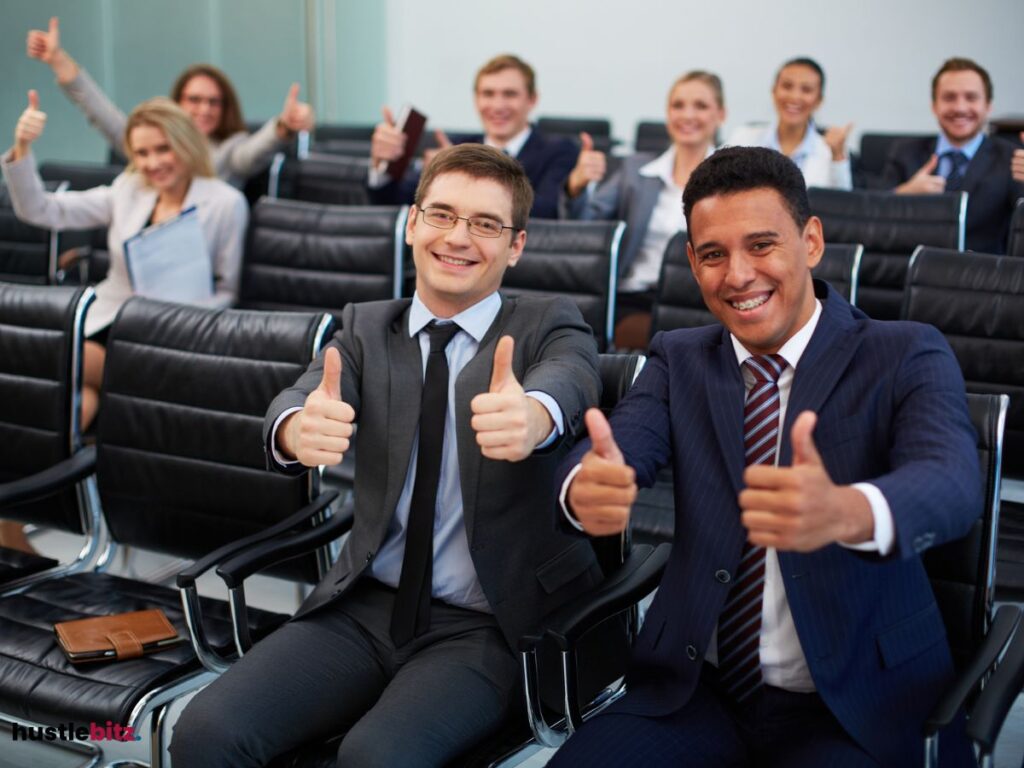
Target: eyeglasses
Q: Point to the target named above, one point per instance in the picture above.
(481, 226)
(195, 101)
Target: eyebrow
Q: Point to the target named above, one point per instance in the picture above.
(752, 236)
(479, 214)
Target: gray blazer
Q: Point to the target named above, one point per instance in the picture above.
(526, 567)
(624, 195)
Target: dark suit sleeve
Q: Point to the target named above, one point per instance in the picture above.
(549, 180)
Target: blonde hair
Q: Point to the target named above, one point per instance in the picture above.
(508, 61)
(709, 79)
(185, 139)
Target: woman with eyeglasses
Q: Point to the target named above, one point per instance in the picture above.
(798, 92)
(202, 90)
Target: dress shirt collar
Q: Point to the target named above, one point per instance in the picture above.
(475, 321)
(793, 349)
(770, 139)
(664, 165)
(969, 149)
(513, 146)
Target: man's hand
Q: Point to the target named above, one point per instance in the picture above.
(319, 433)
(295, 115)
(443, 142)
(924, 182)
(835, 137)
(388, 142)
(508, 424)
(603, 491)
(29, 128)
(591, 165)
(1017, 163)
(799, 508)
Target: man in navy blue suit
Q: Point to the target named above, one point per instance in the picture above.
(816, 454)
(505, 92)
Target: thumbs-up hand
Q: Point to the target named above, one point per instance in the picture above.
(44, 45)
(295, 115)
(508, 424)
(836, 137)
(799, 508)
(29, 128)
(1017, 163)
(925, 181)
(604, 489)
(388, 142)
(443, 142)
(319, 434)
(591, 166)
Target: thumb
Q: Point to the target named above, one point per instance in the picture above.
(502, 374)
(801, 436)
(293, 96)
(33, 99)
(54, 31)
(331, 382)
(442, 139)
(388, 117)
(600, 432)
(586, 142)
(1022, 137)
(929, 167)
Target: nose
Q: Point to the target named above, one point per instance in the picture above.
(459, 234)
(740, 272)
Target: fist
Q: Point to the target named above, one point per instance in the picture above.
(836, 137)
(44, 45)
(591, 166)
(603, 491)
(387, 143)
(319, 434)
(30, 124)
(1017, 163)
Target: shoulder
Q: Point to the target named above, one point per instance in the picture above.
(687, 339)
(999, 147)
(552, 145)
(362, 316)
(532, 309)
(215, 192)
(632, 164)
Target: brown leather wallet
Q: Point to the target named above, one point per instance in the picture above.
(121, 636)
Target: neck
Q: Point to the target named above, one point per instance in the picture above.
(960, 142)
(174, 196)
(790, 134)
(688, 157)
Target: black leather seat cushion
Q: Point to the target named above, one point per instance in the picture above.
(14, 564)
(39, 684)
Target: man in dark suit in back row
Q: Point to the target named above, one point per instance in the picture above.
(505, 92)
(962, 157)
(465, 400)
(816, 453)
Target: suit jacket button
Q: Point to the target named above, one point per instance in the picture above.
(691, 653)
(723, 576)
(369, 556)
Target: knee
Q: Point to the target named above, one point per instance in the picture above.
(207, 735)
(362, 749)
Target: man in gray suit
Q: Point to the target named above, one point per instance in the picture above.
(419, 688)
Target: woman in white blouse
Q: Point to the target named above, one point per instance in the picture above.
(798, 91)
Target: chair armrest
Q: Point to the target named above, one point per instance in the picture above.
(259, 556)
(632, 581)
(1000, 692)
(956, 693)
(49, 480)
(187, 578)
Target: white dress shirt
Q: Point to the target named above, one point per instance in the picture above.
(813, 157)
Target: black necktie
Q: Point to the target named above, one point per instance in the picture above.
(411, 614)
(955, 179)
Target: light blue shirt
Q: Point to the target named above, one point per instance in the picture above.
(454, 576)
(970, 149)
(803, 152)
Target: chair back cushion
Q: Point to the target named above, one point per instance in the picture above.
(1015, 247)
(336, 179)
(25, 250)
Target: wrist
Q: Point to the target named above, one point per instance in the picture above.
(285, 439)
(282, 130)
(856, 517)
(540, 420)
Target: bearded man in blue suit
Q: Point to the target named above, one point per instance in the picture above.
(816, 454)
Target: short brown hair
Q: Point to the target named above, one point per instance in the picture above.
(231, 121)
(711, 80)
(958, 64)
(188, 144)
(507, 61)
(479, 161)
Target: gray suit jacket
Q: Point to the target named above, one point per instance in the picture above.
(526, 567)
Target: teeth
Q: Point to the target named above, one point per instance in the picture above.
(750, 303)
(455, 262)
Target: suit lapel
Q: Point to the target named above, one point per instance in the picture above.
(405, 389)
(979, 169)
(725, 395)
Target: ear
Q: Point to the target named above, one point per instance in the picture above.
(410, 224)
(516, 247)
(692, 257)
(814, 240)
(533, 99)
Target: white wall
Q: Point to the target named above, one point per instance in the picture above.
(617, 59)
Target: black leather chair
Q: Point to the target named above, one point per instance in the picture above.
(28, 254)
(874, 151)
(599, 128)
(308, 256)
(1015, 246)
(651, 136)
(180, 470)
(578, 259)
(890, 227)
(320, 178)
(41, 453)
(339, 131)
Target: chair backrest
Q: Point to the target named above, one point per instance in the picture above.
(962, 572)
(679, 304)
(651, 136)
(180, 460)
(875, 148)
(572, 126)
(81, 176)
(977, 301)
(318, 178)
(41, 335)
(306, 256)
(333, 131)
(1015, 246)
(578, 259)
(348, 147)
(890, 227)
(28, 254)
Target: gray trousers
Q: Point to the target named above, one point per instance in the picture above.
(336, 671)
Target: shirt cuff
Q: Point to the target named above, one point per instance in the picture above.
(884, 528)
(376, 178)
(551, 406)
(564, 493)
(276, 454)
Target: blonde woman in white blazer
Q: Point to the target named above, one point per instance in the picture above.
(169, 171)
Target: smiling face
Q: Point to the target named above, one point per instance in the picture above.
(153, 157)
(753, 264)
(454, 269)
(797, 93)
(694, 114)
(961, 105)
(202, 99)
(504, 104)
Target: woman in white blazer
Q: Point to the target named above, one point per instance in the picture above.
(798, 91)
(202, 90)
(169, 171)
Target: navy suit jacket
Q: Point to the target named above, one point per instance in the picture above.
(546, 160)
(891, 410)
(991, 190)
